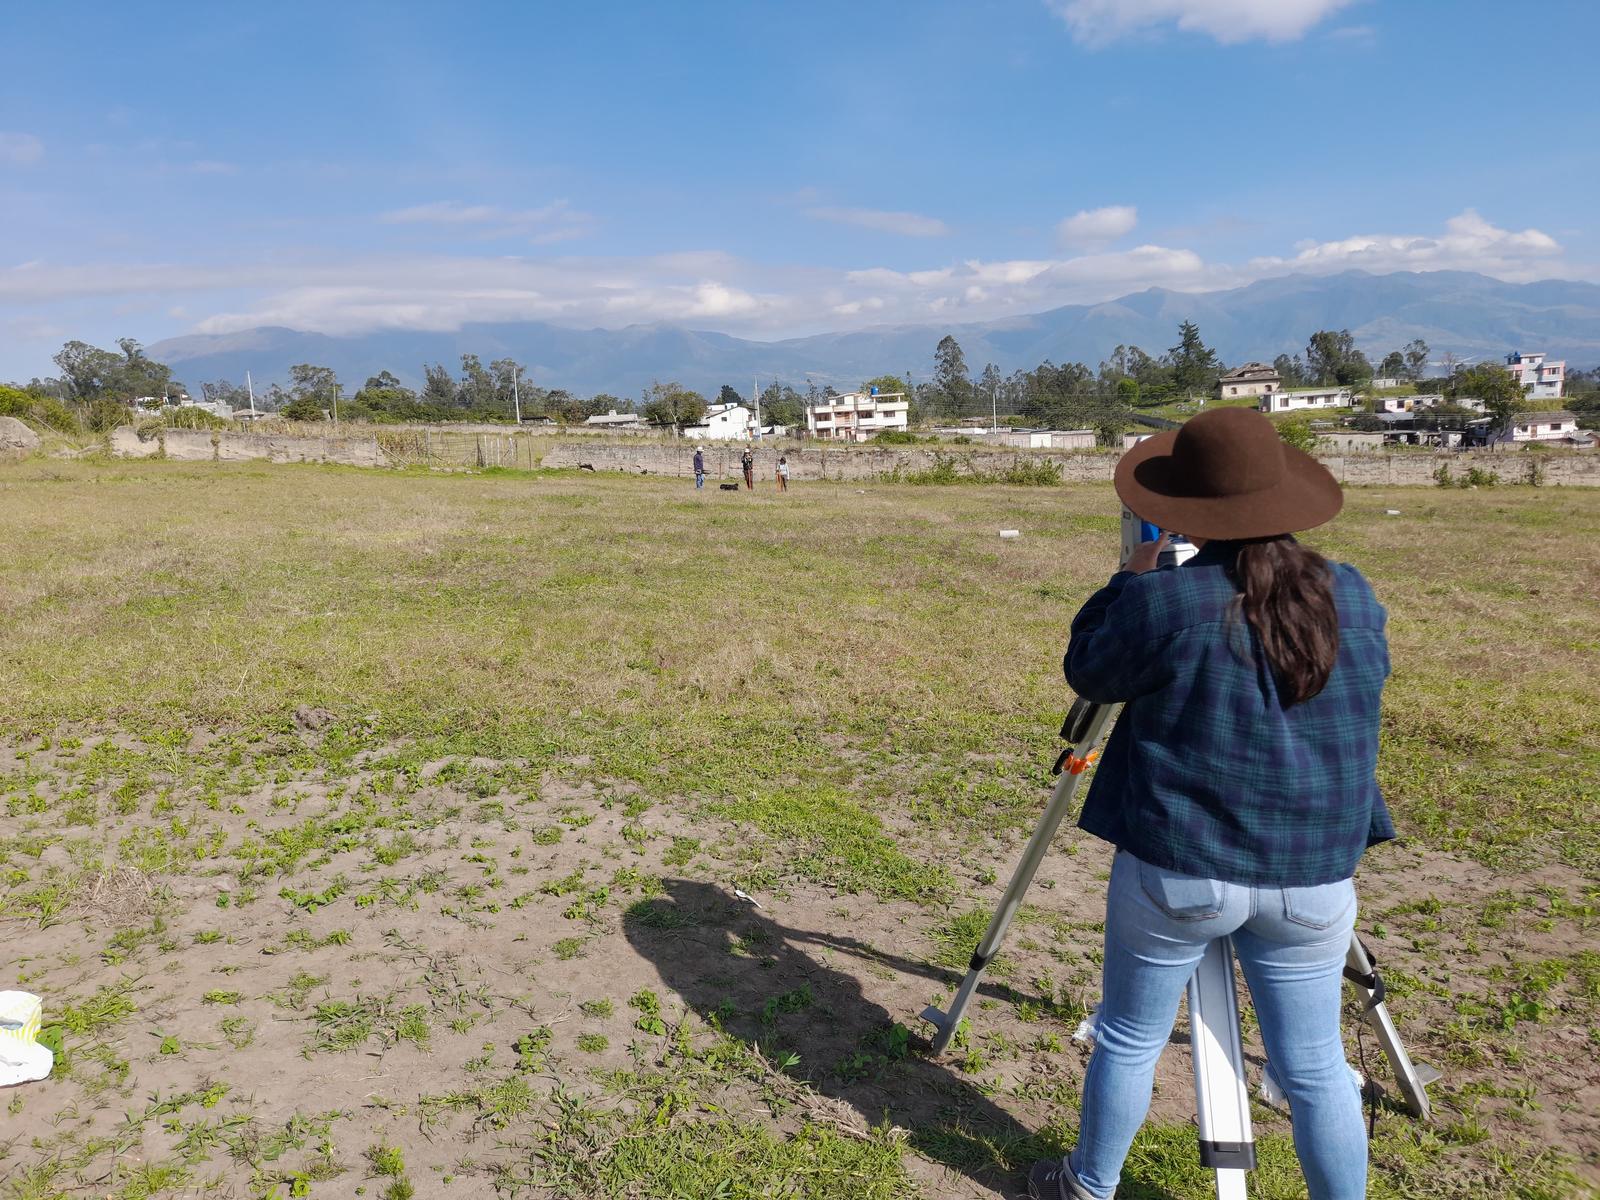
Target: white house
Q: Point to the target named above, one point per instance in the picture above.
(1294, 399)
(1252, 379)
(1382, 383)
(1540, 380)
(857, 416)
(723, 423)
(1543, 427)
(1394, 404)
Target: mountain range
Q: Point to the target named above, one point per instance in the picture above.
(1470, 315)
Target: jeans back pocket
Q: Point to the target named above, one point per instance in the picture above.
(1320, 907)
(1181, 897)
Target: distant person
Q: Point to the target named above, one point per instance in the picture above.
(699, 470)
(1239, 785)
(783, 473)
(748, 462)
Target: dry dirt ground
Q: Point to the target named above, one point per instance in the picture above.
(411, 956)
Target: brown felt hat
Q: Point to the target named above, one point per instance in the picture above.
(1226, 474)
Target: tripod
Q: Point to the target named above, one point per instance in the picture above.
(1221, 1097)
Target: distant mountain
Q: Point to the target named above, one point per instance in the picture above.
(1471, 315)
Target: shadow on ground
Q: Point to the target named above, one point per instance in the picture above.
(787, 991)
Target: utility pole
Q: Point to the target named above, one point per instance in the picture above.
(336, 404)
(251, 388)
(755, 383)
(516, 395)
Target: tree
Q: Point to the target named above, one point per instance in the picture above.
(140, 376)
(1499, 390)
(1195, 365)
(511, 385)
(223, 391)
(314, 385)
(952, 388)
(990, 387)
(1393, 365)
(1333, 358)
(726, 395)
(1416, 356)
(438, 388)
(89, 371)
(383, 381)
(782, 405)
(477, 391)
(1291, 370)
(671, 404)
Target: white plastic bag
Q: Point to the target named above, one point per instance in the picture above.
(22, 1059)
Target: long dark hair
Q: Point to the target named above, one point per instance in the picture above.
(1287, 597)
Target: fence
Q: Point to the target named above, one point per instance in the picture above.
(407, 447)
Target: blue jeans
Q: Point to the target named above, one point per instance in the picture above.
(699, 480)
(1291, 943)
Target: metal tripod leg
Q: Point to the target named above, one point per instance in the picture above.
(1411, 1078)
(1222, 1098)
(1087, 723)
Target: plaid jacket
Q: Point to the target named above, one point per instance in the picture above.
(1206, 772)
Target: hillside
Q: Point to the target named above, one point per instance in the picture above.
(1471, 315)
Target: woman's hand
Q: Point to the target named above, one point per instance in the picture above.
(1147, 555)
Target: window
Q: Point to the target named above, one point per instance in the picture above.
(1233, 391)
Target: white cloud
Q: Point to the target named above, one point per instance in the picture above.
(20, 149)
(1097, 226)
(906, 224)
(1097, 23)
(557, 221)
(709, 288)
(1468, 243)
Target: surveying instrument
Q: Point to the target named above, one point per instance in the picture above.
(1222, 1101)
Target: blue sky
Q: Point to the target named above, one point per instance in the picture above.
(764, 168)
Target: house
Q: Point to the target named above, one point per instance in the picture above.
(217, 408)
(1540, 380)
(723, 423)
(857, 416)
(1252, 379)
(1383, 383)
(1294, 399)
(1556, 426)
(1394, 404)
(616, 420)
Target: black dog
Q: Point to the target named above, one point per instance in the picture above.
(728, 487)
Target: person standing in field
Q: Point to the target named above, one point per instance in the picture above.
(699, 470)
(783, 473)
(748, 462)
(1239, 786)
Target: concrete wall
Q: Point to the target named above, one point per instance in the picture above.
(809, 461)
(199, 445)
(861, 463)
(813, 462)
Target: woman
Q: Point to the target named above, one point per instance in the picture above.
(1238, 783)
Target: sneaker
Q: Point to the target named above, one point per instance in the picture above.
(1052, 1179)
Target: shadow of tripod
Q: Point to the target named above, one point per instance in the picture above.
(769, 985)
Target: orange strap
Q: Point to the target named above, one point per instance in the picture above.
(1077, 766)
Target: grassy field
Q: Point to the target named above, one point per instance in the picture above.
(409, 834)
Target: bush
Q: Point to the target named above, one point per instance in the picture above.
(1297, 432)
(897, 437)
(37, 410)
(1033, 473)
(102, 416)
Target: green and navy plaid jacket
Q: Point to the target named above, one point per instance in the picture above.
(1206, 772)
